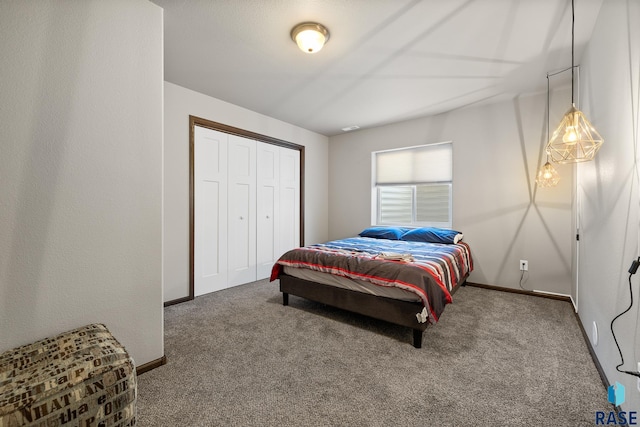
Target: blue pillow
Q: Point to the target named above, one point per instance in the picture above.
(432, 235)
(390, 233)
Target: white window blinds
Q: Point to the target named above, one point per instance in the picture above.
(414, 185)
(423, 164)
(395, 205)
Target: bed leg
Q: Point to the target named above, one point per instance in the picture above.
(285, 298)
(417, 338)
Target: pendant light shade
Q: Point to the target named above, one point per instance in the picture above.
(310, 36)
(575, 140)
(548, 176)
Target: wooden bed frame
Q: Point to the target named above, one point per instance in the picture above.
(395, 311)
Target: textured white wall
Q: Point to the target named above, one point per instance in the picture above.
(497, 150)
(80, 171)
(179, 104)
(609, 189)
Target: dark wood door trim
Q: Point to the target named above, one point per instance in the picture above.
(198, 121)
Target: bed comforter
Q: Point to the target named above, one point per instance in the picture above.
(431, 271)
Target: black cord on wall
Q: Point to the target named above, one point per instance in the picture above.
(632, 271)
(521, 279)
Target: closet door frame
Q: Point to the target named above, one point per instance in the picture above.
(198, 121)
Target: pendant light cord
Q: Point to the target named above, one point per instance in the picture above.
(573, 24)
(548, 115)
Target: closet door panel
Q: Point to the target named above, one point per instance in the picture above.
(210, 210)
(241, 210)
(289, 218)
(268, 194)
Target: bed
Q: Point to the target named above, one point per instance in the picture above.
(403, 276)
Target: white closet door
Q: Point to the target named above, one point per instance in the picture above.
(289, 217)
(242, 210)
(210, 210)
(268, 200)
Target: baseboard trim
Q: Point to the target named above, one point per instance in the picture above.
(592, 352)
(177, 301)
(151, 365)
(522, 291)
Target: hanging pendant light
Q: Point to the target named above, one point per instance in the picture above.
(548, 176)
(575, 139)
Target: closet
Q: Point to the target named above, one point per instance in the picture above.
(246, 208)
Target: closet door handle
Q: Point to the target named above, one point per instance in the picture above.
(267, 216)
(241, 217)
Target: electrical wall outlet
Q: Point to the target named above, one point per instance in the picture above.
(524, 265)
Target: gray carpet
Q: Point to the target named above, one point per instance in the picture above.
(239, 358)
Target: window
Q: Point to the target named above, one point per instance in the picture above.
(413, 186)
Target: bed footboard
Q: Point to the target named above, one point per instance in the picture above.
(399, 312)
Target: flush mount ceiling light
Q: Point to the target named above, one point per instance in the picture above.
(310, 36)
(575, 140)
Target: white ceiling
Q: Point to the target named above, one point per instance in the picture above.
(386, 60)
